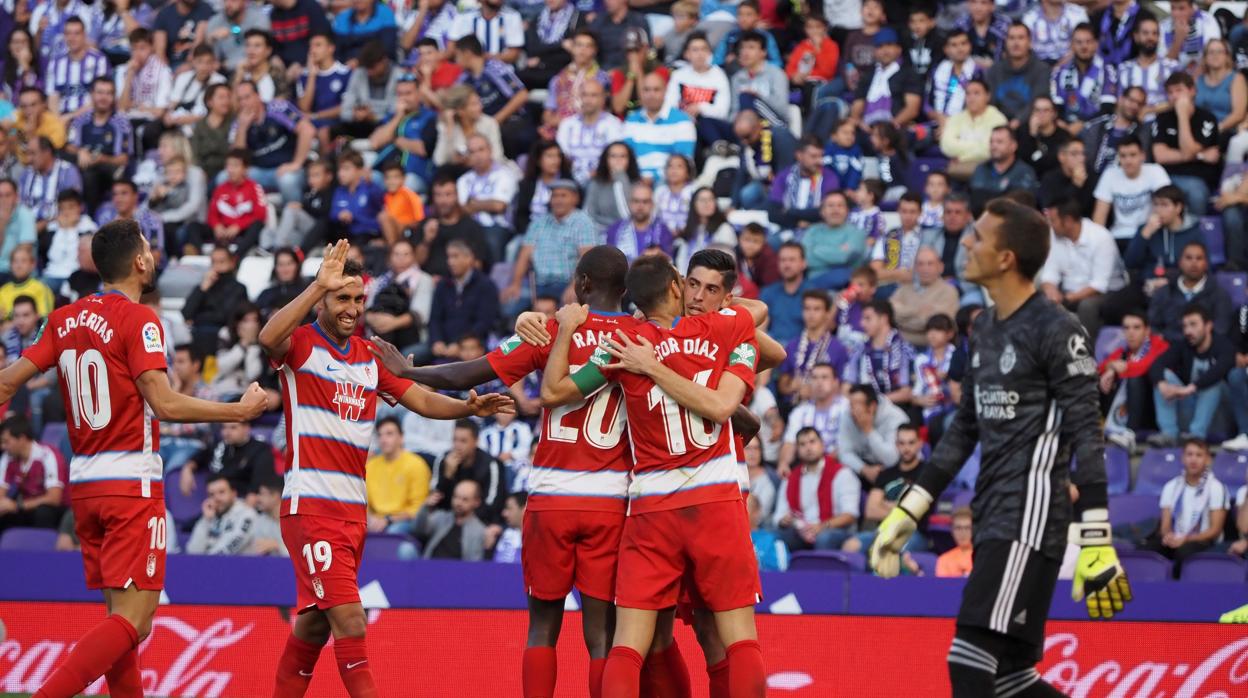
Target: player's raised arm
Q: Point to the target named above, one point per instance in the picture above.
(558, 387)
(275, 335)
(770, 352)
(756, 308)
(172, 406)
(460, 375)
(716, 404)
(438, 406)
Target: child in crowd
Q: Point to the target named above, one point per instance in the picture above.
(757, 259)
(671, 199)
(844, 155)
(672, 44)
(891, 160)
(171, 193)
(358, 205)
(305, 224)
(849, 304)
(506, 542)
(237, 211)
(957, 561)
(867, 216)
(769, 548)
(24, 283)
(935, 189)
(506, 438)
(62, 234)
(402, 204)
(938, 372)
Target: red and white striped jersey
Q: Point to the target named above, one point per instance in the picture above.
(583, 460)
(681, 459)
(100, 345)
(330, 399)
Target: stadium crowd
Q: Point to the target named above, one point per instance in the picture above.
(838, 151)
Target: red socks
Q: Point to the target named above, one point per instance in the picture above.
(294, 669)
(124, 678)
(539, 671)
(352, 656)
(746, 676)
(622, 676)
(94, 654)
(718, 674)
(665, 675)
(596, 667)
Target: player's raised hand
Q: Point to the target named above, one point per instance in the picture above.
(491, 404)
(572, 315)
(531, 326)
(633, 356)
(390, 356)
(330, 277)
(253, 402)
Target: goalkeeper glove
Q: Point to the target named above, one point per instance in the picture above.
(1098, 574)
(895, 530)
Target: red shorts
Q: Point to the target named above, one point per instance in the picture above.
(711, 541)
(689, 598)
(561, 549)
(123, 541)
(326, 554)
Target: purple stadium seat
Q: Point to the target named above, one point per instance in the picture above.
(28, 539)
(826, 561)
(927, 563)
(920, 167)
(390, 546)
(1157, 467)
(1211, 228)
(1231, 469)
(1235, 283)
(1108, 339)
(1214, 567)
(185, 510)
(1133, 508)
(1145, 565)
(1118, 469)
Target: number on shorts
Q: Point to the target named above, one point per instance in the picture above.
(677, 420)
(156, 525)
(87, 379)
(599, 432)
(318, 552)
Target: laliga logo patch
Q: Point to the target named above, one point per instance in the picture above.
(151, 564)
(318, 588)
(151, 339)
(1008, 359)
(511, 344)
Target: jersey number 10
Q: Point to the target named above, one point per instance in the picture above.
(86, 377)
(677, 419)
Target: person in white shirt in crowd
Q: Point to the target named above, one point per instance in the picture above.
(1240, 546)
(1083, 264)
(585, 136)
(818, 503)
(64, 231)
(824, 411)
(1052, 22)
(500, 29)
(1149, 69)
(267, 531)
(701, 90)
(1126, 188)
(486, 190)
(70, 73)
(762, 489)
(507, 439)
(1193, 508)
(1186, 31)
(508, 542)
(186, 100)
(146, 90)
(867, 443)
(227, 524)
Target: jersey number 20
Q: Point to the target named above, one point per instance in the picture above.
(87, 379)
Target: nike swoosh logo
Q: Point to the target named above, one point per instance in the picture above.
(331, 367)
(304, 673)
(352, 666)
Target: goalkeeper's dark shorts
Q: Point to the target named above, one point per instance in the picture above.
(1009, 591)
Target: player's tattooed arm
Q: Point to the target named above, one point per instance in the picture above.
(460, 375)
(558, 386)
(437, 406)
(716, 404)
(275, 336)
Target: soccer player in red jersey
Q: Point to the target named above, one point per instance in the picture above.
(685, 510)
(110, 352)
(330, 384)
(578, 489)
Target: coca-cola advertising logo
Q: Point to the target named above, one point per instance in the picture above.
(204, 651)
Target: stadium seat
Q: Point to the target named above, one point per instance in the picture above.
(1235, 283)
(826, 561)
(1118, 469)
(1211, 228)
(1231, 469)
(1214, 567)
(965, 479)
(1145, 565)
(28, 539)
(390, 546)
(1157, 467)
(185, 510)
(927, 563)
(1107, 340)
(255, 273)
(1126, 509)
(919, 169)
(179, 279)
(310, 267)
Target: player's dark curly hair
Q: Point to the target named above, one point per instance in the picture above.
(605, 266)
(716, 260)
(352, 268)
(114, 247)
